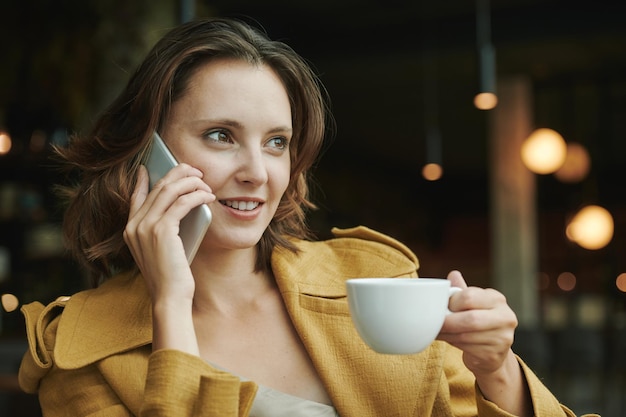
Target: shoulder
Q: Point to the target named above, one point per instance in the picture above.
(351, 253)
(75, 331)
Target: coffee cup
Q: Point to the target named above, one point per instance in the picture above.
(398, 315)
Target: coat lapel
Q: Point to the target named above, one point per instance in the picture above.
(360, 381)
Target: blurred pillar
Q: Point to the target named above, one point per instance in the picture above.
(513, 200)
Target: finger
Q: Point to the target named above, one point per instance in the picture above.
(137, 200)
(480, 320)
(475, 298)
(496, 337)
(470, 321)
(174, 200)
(159, 226)
(181, 180)
(178, 172)
(456, 279)
(484, 352)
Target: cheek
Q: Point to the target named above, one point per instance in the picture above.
(281, 175)
(213, 169)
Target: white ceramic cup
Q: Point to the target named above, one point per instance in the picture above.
(398, 315)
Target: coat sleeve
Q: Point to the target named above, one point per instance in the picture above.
(462, 387)
(170, 384)
(174, 387)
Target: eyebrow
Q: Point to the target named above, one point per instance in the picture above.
(237, 125)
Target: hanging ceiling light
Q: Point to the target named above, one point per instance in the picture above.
(432, 171)
(543, 152)
(486, 98)
(433, 168)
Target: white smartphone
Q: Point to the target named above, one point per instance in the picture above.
(195, 224)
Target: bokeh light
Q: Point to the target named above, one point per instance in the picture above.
(10, 302)
(620, 282)
(432, 171)
(566, 281)
(591, 228)
(5, 143)
(485, 101)
(576, 165)
(544, 151)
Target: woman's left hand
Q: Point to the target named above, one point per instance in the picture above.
(482, 325)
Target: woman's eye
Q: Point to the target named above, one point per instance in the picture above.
(220, 136)
(279, 143)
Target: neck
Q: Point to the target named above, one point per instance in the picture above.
(226, 280)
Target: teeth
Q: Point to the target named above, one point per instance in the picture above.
(242, 205)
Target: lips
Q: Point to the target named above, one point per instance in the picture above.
(241, 205)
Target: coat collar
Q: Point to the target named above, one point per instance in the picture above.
(321, 268)
(312, 284)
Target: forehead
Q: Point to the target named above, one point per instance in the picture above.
(232, 72)
(222, 87)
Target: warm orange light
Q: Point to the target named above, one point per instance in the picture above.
(591, 228)
(620, 282)
(543, 152)
(9, 302)
(576, 165)
(485, 101)
(432, 171)
(566, 281)
(5, 143)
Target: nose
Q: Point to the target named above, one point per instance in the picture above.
(252, 168)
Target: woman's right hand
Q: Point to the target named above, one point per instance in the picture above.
(151, 232)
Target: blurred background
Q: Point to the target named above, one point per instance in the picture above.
(526, 196)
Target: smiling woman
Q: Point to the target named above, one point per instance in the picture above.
(258, 324)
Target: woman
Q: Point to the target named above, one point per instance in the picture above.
(257, 325)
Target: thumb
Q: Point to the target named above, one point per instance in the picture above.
(456, 279)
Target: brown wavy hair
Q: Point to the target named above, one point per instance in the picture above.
(108, 158)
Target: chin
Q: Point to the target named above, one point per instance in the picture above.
(242, 242)
(233, 237)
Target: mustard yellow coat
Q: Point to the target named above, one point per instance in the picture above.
(91, 355)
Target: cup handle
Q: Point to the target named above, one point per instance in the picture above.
(453, 290)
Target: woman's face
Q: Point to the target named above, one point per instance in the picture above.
(234, 124)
